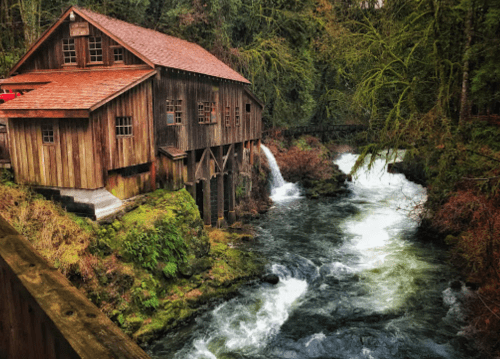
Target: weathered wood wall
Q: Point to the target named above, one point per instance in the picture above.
(125, 151)
(172, 174)
(43, 316)
(191, 89)
(125, 187)
(50, 54)
(71, 161)
(4, 147)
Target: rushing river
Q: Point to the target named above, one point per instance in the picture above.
(355, 282)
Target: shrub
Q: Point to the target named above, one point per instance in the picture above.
(161, 244)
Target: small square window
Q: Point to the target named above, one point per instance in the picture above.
(47, 134)
(124, 126)
(118, 54)
(95, 48)
(69, 51)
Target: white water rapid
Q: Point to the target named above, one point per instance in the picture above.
(281, 190)
(356, 282)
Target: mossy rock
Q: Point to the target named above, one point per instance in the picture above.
(195, 266)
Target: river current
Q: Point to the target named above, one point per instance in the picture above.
(355, 282)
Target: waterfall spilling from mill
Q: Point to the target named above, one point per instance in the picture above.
(281, 190)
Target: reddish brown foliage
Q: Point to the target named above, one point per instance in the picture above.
(298, 164)
(475, 220)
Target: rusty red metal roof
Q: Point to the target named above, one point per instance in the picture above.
(161, 49)
(70, 90)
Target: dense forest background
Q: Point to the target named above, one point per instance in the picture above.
(424, 75)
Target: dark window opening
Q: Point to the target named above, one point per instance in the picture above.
(124, 126)
(47, 134)
(95, 49)
(118, 54)
(69, 51)
(248, 111)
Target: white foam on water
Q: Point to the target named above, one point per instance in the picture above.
(238, 326)
(384, 201)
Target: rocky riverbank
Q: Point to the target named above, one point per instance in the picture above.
(150, 270)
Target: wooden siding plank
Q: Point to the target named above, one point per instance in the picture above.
(81, 150)
(41, 158)
(23, 152)
(36, 152)
(12, 146)
(89, 155)
(64, 154)
(59, 163)
(76, 154)
(29, 151)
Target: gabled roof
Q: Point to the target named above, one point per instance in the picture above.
(68, 93)
(153, 47)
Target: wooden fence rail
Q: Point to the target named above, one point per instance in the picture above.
(43, 316)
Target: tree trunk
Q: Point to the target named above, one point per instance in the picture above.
(464, 99)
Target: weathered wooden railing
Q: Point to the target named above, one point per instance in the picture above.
(42, 315)
(4, 148)
(313, 130)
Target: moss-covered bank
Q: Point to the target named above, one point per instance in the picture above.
(150, 270)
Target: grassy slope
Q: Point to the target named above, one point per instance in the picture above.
(149, 271)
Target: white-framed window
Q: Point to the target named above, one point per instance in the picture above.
(69, 51)
(95, 48)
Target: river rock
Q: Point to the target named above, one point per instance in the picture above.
(271, 278)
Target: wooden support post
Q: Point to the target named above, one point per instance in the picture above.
(152, 171)
(251, 152)
(231, 218)
(207, 213)
(259, 143)
(239, 156)
(191, 169)
(220, 188)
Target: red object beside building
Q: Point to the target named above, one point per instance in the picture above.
(8, 96)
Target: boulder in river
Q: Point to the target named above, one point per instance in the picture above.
(271, 279)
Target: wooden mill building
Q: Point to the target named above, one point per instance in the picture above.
(110, 110)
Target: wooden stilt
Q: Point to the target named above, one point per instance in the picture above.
(232, 192)
(191, 169)
(251, 152)
(207, 211)
(239, 156)
(220, 188)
